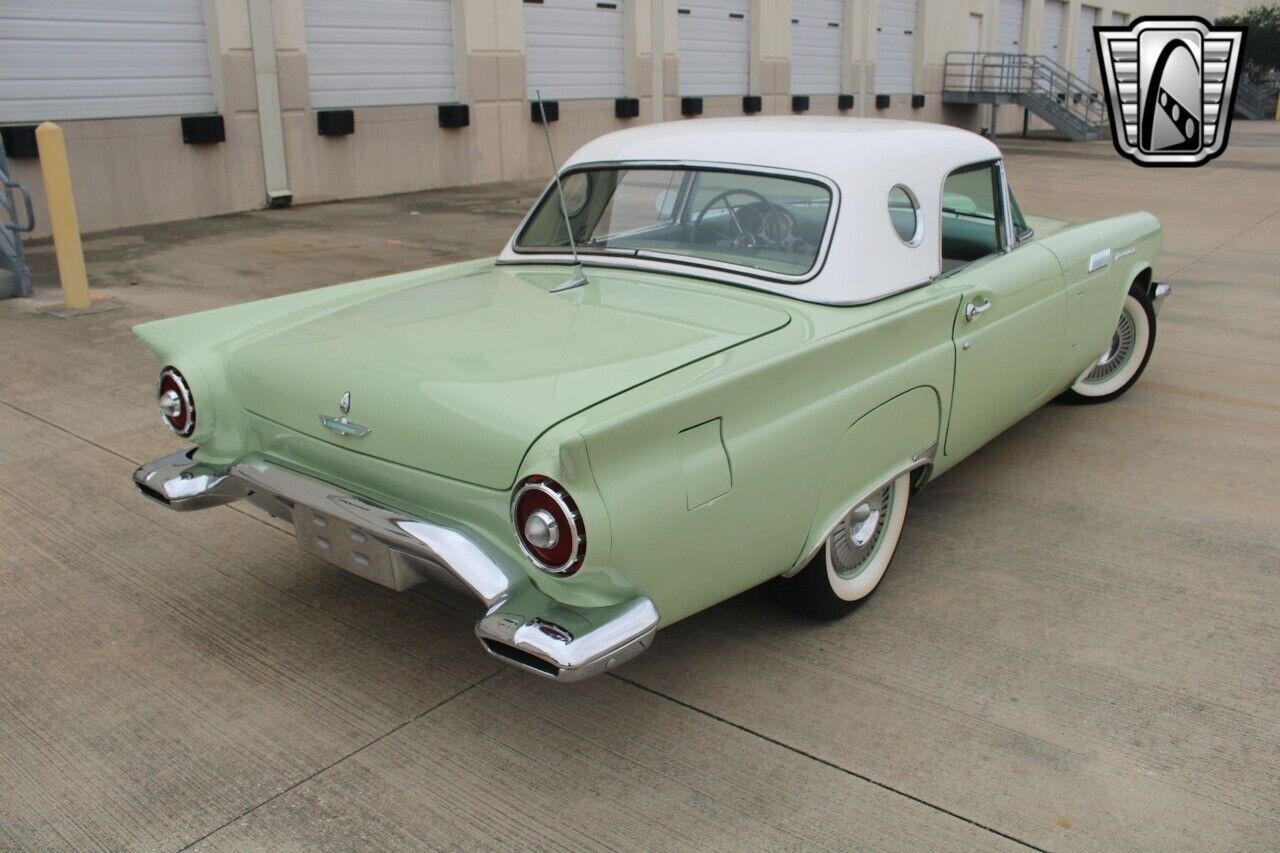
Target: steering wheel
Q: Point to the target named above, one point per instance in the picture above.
(743, 234)
(758, 222)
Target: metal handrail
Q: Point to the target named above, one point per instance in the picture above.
(12, 258)
(1025, 74)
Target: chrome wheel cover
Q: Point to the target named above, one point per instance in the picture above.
(1118, 354)
(859, 534)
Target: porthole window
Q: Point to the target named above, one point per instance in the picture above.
(904, 215)
(577, 189)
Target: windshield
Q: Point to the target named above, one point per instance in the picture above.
(768, 223)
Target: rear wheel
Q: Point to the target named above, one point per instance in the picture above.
(1126, 357)
(849, 565)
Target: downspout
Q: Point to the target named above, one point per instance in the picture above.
(270, 124)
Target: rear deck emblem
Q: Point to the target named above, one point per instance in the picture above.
(1170, 85)
(343, 425)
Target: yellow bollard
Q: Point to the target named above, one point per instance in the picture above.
(62, 215)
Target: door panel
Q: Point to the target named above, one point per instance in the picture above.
(574, 49)
(1010, 347)
(896, 47)
(1084, 43)
(715, 51)
(1009, 35)
(817, 47)
(1052, 29)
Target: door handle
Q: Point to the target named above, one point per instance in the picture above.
(974, 310)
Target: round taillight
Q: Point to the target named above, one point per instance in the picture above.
(177, 406)
(548, 526)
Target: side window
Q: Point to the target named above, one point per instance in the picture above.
(972, 215)
(1021, 230)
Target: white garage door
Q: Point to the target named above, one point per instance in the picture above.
(896, 47)
(1052, 30)
(574, 49)
(1009, 32)
(714, 51)
(1084, 43)
(817, 46)
(379, 52)
(68, 59)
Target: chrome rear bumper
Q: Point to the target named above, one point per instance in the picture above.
(523, 625)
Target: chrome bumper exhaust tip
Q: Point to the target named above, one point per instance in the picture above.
(538, 634)
(182, 484)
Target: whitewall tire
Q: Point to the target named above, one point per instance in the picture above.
(1119, 367)
(851, 563)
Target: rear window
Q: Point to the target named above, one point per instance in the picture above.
(767, 223)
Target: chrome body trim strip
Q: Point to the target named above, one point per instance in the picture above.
(922, 459)
(522, 625)
(1159, 293)
(1099, 260)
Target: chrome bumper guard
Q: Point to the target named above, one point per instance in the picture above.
(1159, 293)
(523, 626)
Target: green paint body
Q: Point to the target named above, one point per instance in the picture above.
(710, 434)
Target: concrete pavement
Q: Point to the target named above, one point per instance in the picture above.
(1077, 647)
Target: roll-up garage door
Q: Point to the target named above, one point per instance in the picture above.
(1009, 32)
(1052, 30)
(817, 46)
(1084, 43)
(69, 59)
(379, 52)
(574, 49)
(896, 47)
(714, 47)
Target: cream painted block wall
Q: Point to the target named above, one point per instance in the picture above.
(135, 171)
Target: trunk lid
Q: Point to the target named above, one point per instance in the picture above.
(459, 376)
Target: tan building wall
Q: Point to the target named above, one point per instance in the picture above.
(134, 171)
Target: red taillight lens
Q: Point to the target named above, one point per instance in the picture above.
(177, 406)
(549, 526)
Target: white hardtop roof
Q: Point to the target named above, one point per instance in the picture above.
(863, 158)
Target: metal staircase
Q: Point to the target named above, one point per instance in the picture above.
(1037, 83)
(1256, 100)
(15, 278)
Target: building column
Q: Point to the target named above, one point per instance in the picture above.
(488, 38)
(262, 39)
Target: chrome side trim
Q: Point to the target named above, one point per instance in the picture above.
(523, 625)
(1159, 293)
(920, 460)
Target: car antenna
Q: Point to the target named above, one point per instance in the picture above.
(580, 278)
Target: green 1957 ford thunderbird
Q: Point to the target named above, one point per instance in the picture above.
(778, 331)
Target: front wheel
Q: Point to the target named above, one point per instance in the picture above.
(849, 565)
(1126, 357)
